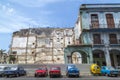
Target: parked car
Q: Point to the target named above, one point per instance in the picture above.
(55, 71)
(118, 68)
(14, 71)
(72, 70)
(2, 68)
(41, 71)
(109, 71)
(95, 69)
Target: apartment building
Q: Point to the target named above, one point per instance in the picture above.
(98, 25)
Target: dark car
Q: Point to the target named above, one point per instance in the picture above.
(14, 71)
(41, 71)
(55, 71)
(72, 70)
(2, 68)
(109, 71)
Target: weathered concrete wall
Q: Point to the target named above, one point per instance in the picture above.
(19, 42)
(44, 46)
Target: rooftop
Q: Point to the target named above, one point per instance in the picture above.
(108, 7)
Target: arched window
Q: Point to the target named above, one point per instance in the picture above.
(76, 58)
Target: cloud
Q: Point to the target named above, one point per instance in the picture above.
(35, 3)
(12, 21)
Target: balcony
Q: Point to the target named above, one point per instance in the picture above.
(103, 28)
(114, 42)
(98, 43)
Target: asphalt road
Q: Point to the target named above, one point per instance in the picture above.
(63, 78)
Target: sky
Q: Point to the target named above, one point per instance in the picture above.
(19, 14)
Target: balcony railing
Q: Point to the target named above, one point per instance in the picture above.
(98, 26)
(114, 41)
(98, 42)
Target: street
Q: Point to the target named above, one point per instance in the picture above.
(63, 78)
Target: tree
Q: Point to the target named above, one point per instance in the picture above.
(12, 59)
(2, 52)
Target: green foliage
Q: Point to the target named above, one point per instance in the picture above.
(2, 52)
(12, 58)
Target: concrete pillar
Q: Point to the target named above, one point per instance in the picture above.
(107, 55)
(90, 57)
(115, 60)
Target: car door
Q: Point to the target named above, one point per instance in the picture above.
(21, 70)
(103, 70)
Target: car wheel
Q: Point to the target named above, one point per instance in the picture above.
(68, 75)
(103, 74)
(77, 76)
(2, 75)
(35, 75)
(7, 76)
(17, 75)
(116, 75)
(50, 76)
(108, 75)
(25, 74)
(46, 75)
(60, 75)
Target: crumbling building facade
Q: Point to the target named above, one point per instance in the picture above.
(41, 45)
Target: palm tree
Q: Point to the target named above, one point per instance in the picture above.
(2, 52)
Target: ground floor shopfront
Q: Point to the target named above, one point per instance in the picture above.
(85, 54)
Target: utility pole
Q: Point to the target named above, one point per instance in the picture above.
(35, 49)
(27, 46)
(52, 51)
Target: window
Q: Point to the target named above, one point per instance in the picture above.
(96, 39)
(58, 40)
(113, 38)
(32, 52)
(69, 42)
(33, 43)
(58, 58)
(94, 21)
(110, 21)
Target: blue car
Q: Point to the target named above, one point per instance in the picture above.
(72, 70)
(14, 71)
(109, 71)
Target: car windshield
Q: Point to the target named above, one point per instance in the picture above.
(1, 68)
(11, 68)
(111, 68)
(55, 68)
(41, 68)
(7, 68)
(71, 66)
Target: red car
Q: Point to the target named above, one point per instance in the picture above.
(42, 71)
(55, 71)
